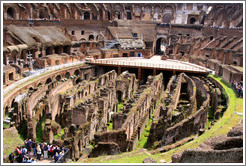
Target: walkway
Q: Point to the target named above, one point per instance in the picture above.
(153, 63)
(38, 72)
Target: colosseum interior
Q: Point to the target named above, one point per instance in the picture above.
(124, 82)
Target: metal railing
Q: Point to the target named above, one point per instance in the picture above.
(39, 72)
(65, 157)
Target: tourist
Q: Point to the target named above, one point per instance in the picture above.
(18, 154)
(11, 157)
(56, 157)
(49, 155)
(45, 150)
(33, 161)
(34, 147)
(29, 146)
(29, 160)
(51, 151)
(39, 152)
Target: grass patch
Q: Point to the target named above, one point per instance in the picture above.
(110, 126)
(60, 135)
(120, 106)
(11, 140)
(144, 136)
(5, 125)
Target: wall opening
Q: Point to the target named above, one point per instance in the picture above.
(86, 16)
(11, 76)
(10, 13)
(67, 75)
(48, 81)
(192, 20)
(91, 37)
(129, 15)
(58, 78)
(125, 55)
(76, 72)
(119, 96)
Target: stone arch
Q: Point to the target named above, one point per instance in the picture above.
(192, 20)
(147, 12)
(167, 14)
(91, 37)
(76, 72)
(167, 18)
(82, 39)
(86, 16)
(58, 77)
(11, 13)
(49, 80)
(108, 15)
(39, 84)
(157, 10)
(78, 80)
(117, 15)
(160, 45)
(41, 14)
(67, 75)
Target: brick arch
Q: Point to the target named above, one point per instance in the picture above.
(48, 80)
(11, 13)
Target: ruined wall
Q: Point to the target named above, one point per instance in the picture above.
(136, 118)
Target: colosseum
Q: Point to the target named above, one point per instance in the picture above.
(122, 82)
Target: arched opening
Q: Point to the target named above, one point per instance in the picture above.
(86, 16)
(91, 37)
(41, 14)
(48, 51)
(129, 15)
(119, 96)
(40, 84)
(76, 72)
(57, 50)
(10, 13)
(48, 81)
(58, 78)
(78, 80)
(109, 15)
(160, 47)
(30, 89)
(66, 49)
(67, 75)
(167, 18)
(118, 15)
(192, 20)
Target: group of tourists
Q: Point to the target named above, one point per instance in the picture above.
(238, 88)
(217, 27)
(22, 154)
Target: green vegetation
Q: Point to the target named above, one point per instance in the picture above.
(144, 137)
(120, 106)
(60, 135)
(221, 127)
(5, 125)
(110, 125)
(11, 140)
(40, 129)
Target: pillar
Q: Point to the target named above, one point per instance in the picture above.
(119, 70)
(139, 73)
(154, 72)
